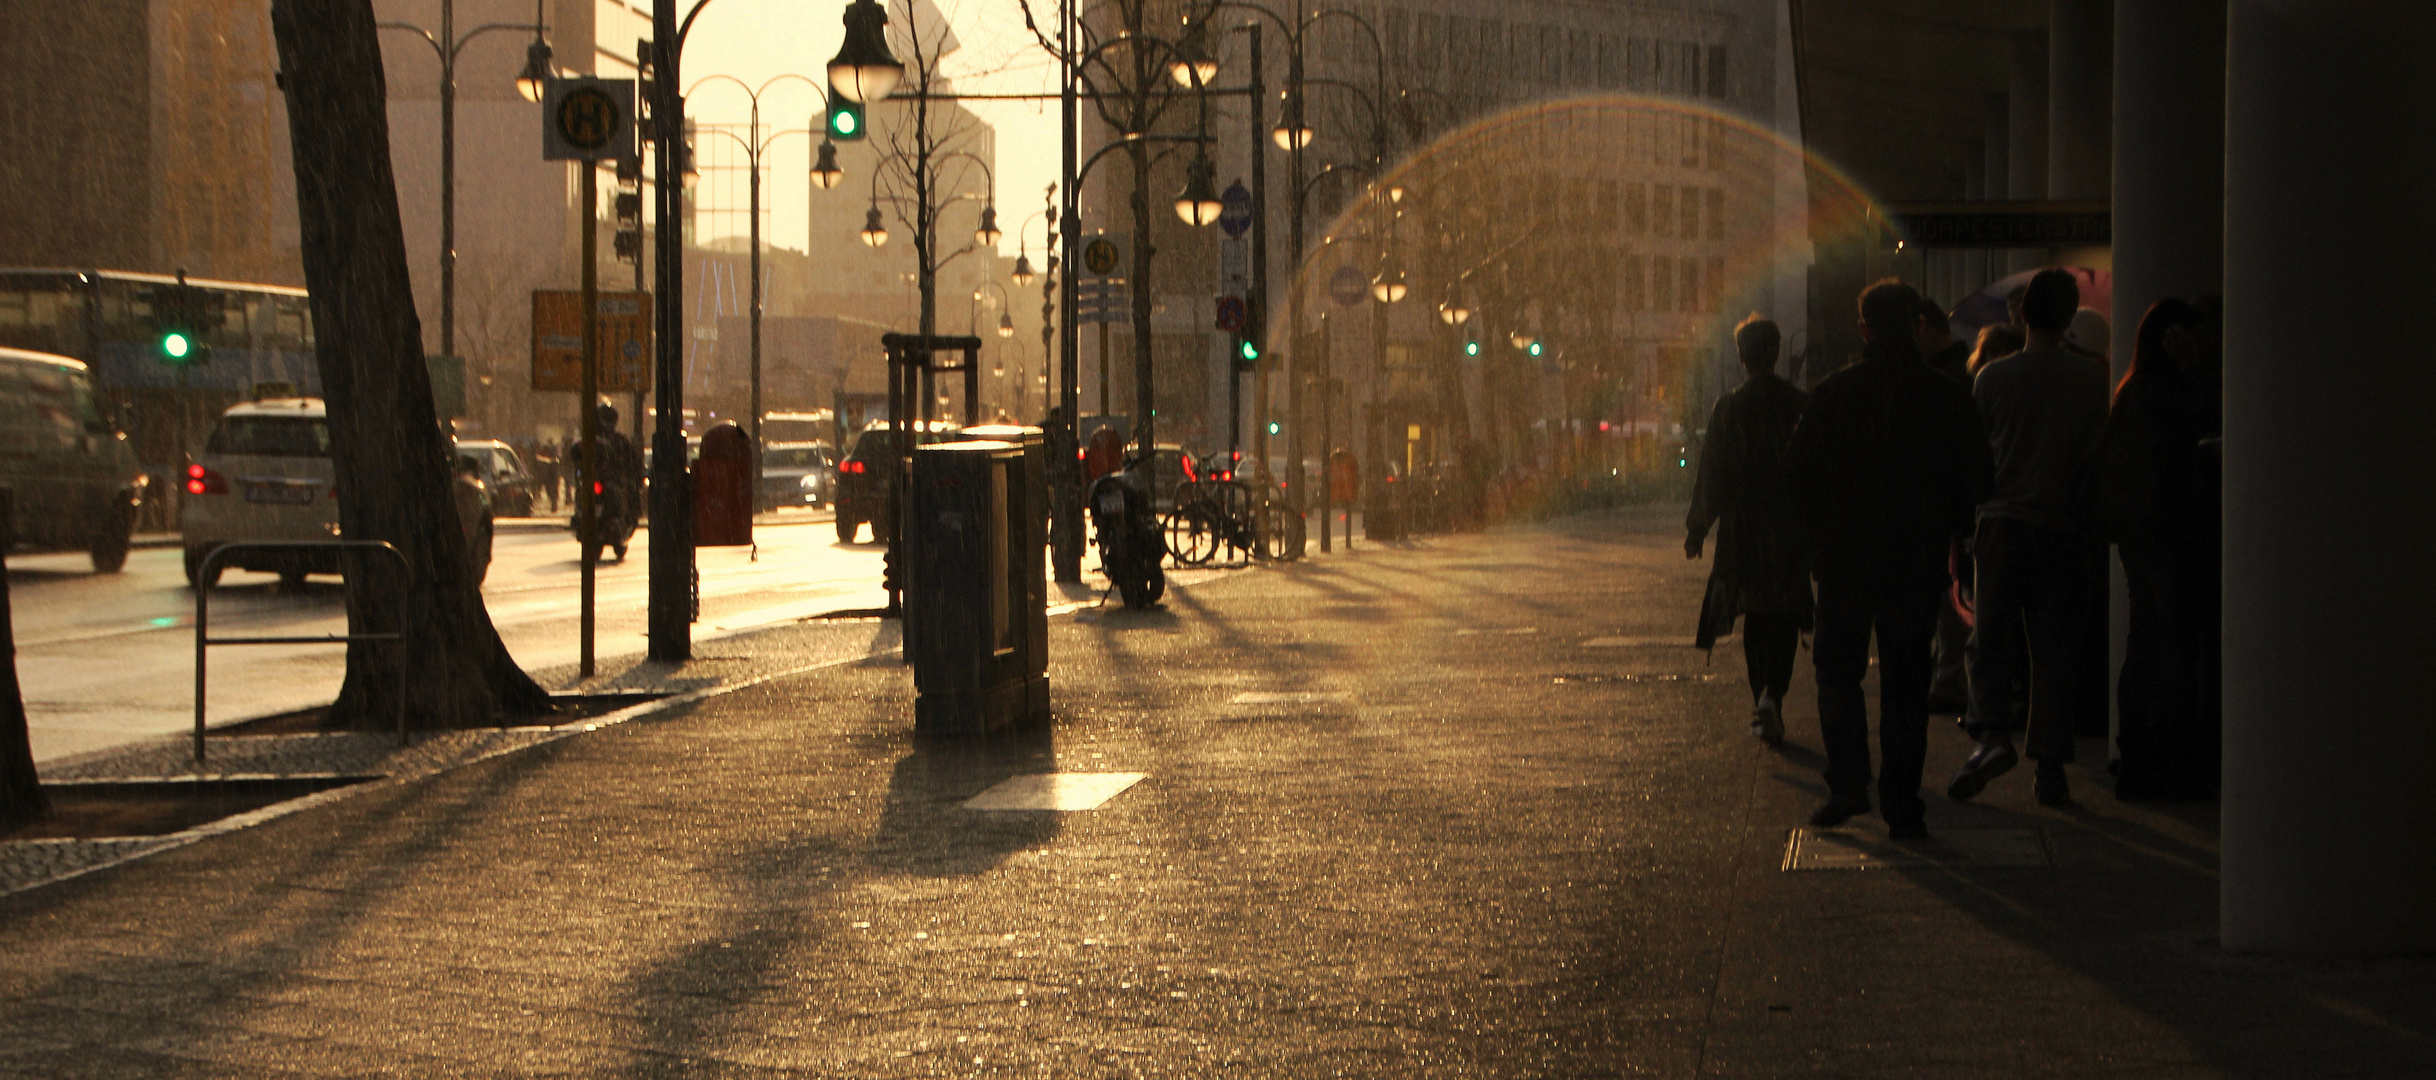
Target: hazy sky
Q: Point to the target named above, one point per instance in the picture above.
(755, 40)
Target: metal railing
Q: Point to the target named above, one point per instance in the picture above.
(203, 639)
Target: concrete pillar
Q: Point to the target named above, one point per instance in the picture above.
(2169, 150)
(1996, 180)
(2080, 97)
(2026, 159)
(2329, 811)
(2026, 163)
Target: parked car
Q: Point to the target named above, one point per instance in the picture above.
(265, 476)
(511, 486)
(798, 474)
(74, 479)
(862, 479)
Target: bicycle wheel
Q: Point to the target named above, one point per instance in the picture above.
(1192, 534)
(1281, 531)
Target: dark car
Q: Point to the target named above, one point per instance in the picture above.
(798, 474)
(502, 473)
(862, 479)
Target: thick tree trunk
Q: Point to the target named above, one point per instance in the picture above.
(392, 458)
(20, 788)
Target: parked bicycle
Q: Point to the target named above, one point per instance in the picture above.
(1227, 514)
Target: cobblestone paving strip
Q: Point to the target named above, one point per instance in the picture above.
(723, 664)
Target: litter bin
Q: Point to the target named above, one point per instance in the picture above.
(976, 588)
(723, 489)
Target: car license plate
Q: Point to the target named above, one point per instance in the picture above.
(281, 494)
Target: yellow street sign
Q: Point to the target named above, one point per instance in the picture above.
(558, 341)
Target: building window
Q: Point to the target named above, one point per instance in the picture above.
(1716, 283)
(1428, 36)
(1609, 196)
(1611, 62)
(1691, 213)
(1636, 65)
(1636, 283)
(1522, 46)
(1687, 291)
(1691, 127)
(1688, 75)
(1581, 58)
(1662, 210)
(1552, 55)
(1661, 283)
(1717, 213)
(1720, 85)
(1636, 208)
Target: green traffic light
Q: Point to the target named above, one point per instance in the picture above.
(845, 119)
(1275, 427)
(1250, 351)
(1471, 348)
(176, 346)
(1535, 349)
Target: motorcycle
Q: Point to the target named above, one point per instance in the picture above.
(1127, 527)
(614, 510)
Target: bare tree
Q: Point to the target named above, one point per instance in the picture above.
(392, 460)
(922, 156)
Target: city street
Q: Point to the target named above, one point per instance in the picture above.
(1469, 806)
(107, 659)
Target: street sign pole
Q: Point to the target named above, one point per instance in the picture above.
(587, 505)
(585, 120)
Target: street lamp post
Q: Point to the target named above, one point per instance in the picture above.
(448, 46)
(754, 147)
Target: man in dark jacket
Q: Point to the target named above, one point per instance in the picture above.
(1759, 573)
(1886, 465)
(2043, 408)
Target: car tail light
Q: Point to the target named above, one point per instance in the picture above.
(202, 481)
(1226, 474)
(855, 467)
(596, 485)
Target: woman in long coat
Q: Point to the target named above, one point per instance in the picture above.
(1759, 574)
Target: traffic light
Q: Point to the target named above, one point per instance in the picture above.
(845, 118)
(1247, 355)
(1275, 427)
(629, 244)
(1536, 349)
(181, 316)
(1471, 348)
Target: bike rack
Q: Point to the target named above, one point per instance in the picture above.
(203, 636)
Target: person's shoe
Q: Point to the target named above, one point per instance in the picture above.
(2050, 785)
(1768, 720)
(1991, 760)
(1838, 810)
(1907, 829)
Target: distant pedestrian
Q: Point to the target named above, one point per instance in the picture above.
(1945, 355)
(1949, 687)
(2091, 337)
(2043, 408)
(2158, 499)
(1741, 490)
(1886, 464)
(1995, 343)
(545, 470)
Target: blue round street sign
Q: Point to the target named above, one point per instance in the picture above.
(1235, 209)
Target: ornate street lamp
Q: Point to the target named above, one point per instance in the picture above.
(1198, 203)
(1291, 133)
(1023, 273)
(1452, 311)
(864, 69)
(1389, 286)
(1522, 340)
(987, 235)
(531, 82)
(1006, 328)
(825, 173)
(874, 233)
(1192, 58)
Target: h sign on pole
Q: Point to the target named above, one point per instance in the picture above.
(587, 119)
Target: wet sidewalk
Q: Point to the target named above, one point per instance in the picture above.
(1468, 806)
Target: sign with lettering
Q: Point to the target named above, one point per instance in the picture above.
(558, 341)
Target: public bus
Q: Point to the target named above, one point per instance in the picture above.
(104, 318)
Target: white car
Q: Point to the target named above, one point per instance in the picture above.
(265, 476)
